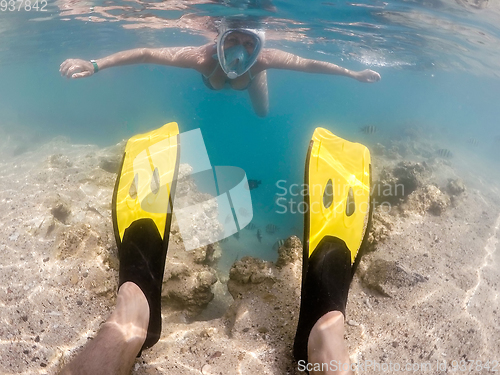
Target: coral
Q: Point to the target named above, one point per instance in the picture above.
(428, 199)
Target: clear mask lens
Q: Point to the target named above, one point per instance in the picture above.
(236, 59)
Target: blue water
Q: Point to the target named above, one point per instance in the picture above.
(439, 61)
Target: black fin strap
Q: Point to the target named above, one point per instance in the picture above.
(142, 254)
(324, 289)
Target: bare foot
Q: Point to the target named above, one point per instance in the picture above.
(120, 338)
(326, 345)
(131, 315)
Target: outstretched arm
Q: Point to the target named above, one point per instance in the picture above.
(183, 57)
(276, 59)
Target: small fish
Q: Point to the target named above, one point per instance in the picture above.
(278, 244)
(473, 141)
(92, 209)
(259, 235)
(271, 228)
(369, 129)
(253, 184)
(217, 354)
(444, 153)
(251, 226)
(229, 218)
(237, 235)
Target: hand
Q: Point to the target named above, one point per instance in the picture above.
(76, 68)
(367, 75)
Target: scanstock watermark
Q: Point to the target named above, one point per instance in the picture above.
(441, 366)
(290, 197)
(365, 366)
(210, 204)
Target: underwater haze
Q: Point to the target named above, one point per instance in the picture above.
(439, 61)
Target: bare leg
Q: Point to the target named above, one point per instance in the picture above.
(326, 343)
(259, 94)
(114, 349)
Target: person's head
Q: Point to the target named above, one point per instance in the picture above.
(235, 38)
(238, 49)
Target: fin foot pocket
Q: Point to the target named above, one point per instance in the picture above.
(326, 280)
(142, 254)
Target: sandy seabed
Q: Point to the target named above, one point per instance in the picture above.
(425, 291)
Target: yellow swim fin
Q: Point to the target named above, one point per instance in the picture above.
(146, 179)
(142, 213)
(338, 176)
(338, 180)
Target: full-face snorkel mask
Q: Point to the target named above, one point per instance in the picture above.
(236, 61)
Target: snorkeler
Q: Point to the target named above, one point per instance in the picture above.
(237, 60)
